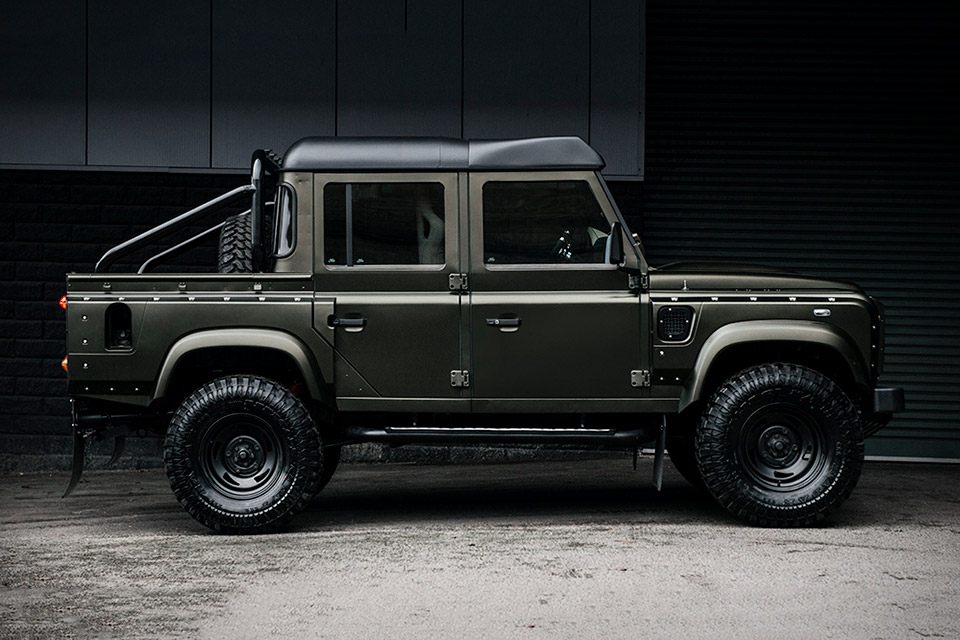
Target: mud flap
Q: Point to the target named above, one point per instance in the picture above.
(80, 437)
(658, 459)
(118, 445)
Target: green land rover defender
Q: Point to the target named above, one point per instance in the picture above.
(439, 291)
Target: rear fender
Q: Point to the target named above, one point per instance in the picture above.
(259, 338)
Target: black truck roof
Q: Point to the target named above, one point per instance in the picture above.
(431, 154)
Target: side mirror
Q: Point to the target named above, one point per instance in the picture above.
(613, 253)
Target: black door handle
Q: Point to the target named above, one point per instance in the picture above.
(347, 322)
(504, 322)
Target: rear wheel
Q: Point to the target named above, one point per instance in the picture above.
(780, 445)
(243, 455)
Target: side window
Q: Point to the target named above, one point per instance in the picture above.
(556, 221)
(383, 223)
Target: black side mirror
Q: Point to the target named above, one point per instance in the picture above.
(613, 253)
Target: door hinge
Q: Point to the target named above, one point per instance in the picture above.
(459, 282)
(460, 378)
(640, 378)
(639, 281)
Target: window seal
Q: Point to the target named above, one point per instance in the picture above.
(291, 193)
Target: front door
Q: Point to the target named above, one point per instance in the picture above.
(387, 245)
(553, 326)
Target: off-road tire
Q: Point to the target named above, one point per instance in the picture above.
(680, 441)
(243, 455)
(235, 253)
(780, 445)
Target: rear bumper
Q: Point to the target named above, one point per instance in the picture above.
(888, 400)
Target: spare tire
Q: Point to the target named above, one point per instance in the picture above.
(235, 253)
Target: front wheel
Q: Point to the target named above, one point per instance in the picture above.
(780, 445)
(243, 455)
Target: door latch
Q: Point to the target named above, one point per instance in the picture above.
(460, 378)
(334, 321)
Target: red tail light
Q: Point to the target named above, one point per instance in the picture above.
(64, 364)
(63, 302)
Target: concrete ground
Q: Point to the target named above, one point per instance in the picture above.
(584, 549)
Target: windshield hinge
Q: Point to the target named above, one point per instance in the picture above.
(639, 281)
(459, 282)
(460, 378)
(640, 378)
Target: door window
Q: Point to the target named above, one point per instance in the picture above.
(383, 223)
(541, 222)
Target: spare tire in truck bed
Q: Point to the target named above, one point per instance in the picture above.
(235, 254)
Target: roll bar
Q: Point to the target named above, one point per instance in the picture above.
(265, 172)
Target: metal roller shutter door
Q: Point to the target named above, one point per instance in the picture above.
(819, 137)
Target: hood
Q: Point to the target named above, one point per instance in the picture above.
(726, 276)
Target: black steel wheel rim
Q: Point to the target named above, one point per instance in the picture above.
(784, 447)
(242, 456)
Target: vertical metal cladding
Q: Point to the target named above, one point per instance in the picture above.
(819, 137)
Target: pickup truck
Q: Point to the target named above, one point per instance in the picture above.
(442, 291)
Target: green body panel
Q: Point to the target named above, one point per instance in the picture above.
(175, 314)
(586, 330)
(409, 345)
(574, 344)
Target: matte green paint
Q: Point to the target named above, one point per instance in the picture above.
(584, 327)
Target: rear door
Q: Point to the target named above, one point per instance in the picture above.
(386, 247)
(553, 326)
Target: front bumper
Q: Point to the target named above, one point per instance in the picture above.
(888, 400)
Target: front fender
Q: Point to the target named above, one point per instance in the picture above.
(757, 331)
(259, 338)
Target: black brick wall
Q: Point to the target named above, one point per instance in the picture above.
(52, 223)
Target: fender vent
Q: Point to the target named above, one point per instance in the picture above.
(674, 323)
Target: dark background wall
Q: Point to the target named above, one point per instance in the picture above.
(822, 137)
(815, 136)
(168, 84)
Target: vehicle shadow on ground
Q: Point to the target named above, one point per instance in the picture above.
(505, 494)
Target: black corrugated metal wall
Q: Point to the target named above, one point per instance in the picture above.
(821, 137)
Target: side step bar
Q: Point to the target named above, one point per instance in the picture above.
(490, 435)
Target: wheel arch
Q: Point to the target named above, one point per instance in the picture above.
(735, 346)
(231, 351)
